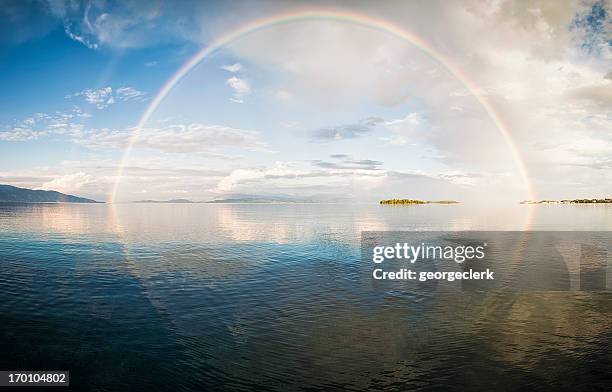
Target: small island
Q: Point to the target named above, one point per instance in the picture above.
(172, 201)
(413, 201)
(568, 201)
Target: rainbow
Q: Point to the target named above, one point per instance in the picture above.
(329, 15)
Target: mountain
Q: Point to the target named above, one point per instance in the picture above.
(247, 200)
(272, 199)
(13, 194)
(174, 201)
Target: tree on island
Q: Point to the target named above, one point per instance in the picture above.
(414, 201)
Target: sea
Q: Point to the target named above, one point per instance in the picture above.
(277, 297)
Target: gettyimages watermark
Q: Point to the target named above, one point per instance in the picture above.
(490, 260)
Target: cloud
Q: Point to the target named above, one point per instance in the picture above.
(91, 181)
(366, 178)
(344, 162)
(20, 134)
(540, 68)
(413, 119)
(598, 94)
(240, 85)
(69, 183)
(460, 178)
(79, 38)
(348, 131)
(233, 68)
(244, 175)
(130, 94)
(280, 171)
(412, 128)
(101, 98)
(241, 88)
(543, 70)
(106, 96)
(45, 124)
(237, 176)
(334, 64)
(120, 24)
(161, 176)
(199, 138)
(177, 139)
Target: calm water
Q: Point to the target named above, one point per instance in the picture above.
(276, 297)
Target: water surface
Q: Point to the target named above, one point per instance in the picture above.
(276, 297)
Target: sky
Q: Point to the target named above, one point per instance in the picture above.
(314, 109)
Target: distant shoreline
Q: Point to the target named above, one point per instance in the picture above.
(569, 201)
(50, 202)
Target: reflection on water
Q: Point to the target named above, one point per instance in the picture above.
(275, 297)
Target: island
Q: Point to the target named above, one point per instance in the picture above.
(413, 201)
(276, 199)
(569, 201)
(258, 201)
(13, 194)
(172, 201)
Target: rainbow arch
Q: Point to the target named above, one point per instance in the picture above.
(330, 15)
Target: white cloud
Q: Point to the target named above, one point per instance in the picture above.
(542, 72)
(129, 94)
(599, 94)
(233, 68)
(541, 68)
(107, 96)
(240, 85)
(237, 176)
(240, 179)
(411, 129)
(178, 138)
(122, 25)
(241, 88)
(342, 176)
(79, 38)
(69, 183)
(397, 140)
(20, 134)
(101, 98)
(45, 124)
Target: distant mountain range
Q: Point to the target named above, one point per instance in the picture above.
(259, 199)
(220, 201)
(13, 194)
(165, 201)
(271, 199)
